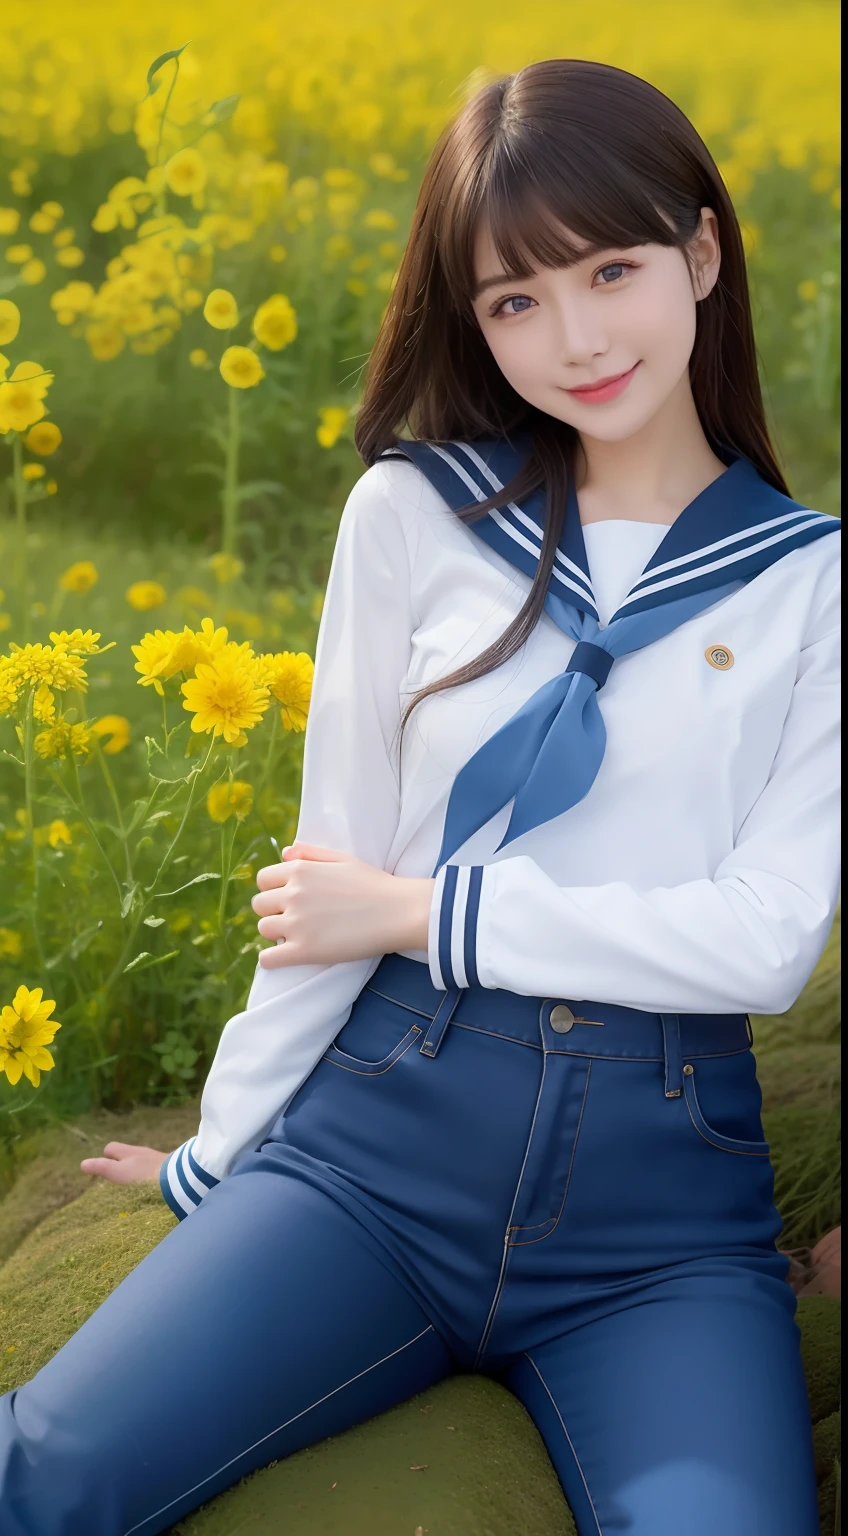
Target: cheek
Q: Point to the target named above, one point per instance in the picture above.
(665, 321)
(519, 354)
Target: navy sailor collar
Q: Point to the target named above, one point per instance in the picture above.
(736, 527)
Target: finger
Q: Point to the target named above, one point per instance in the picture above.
(104, 1166)
(272, 927)
(276, 957)
(318, 852)
(268, 902)
(272, 875)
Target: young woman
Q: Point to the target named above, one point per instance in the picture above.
(568, 813)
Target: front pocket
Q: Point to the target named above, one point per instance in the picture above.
(372, 1068)
(732, 1084)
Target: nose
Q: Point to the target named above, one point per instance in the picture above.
(582, 336)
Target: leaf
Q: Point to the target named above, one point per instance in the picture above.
(153, 922)
(198, 880)
(128, 899)
(221, 110)
(145, 960)
(259, 488)
(173, 53)
(171, 766)
(76, 947)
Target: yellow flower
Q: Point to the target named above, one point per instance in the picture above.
(289, 675)
(5, 622)
(25, 1030)
(333, 421)
(11, 943)
(33, 471)
(155, 654)
(63, 737)
(198, 357)
(220, 309)
(53, 210)
(185, 173)
(808, 289)
(33, 272)
(193, 597)
(44, 438)
(53, 665)
(22, 396)
(79, 577)
(63, 238)
(226, 800)
(278, 253)
(275, 323)
(9, 221)
(44, 705)
(82, 642)
(70, 256)
(380, 218)
(116, 730)
(10, 321)
(58, 832)
(208, 641)
(241, 368)
(225, 567)
(225, 697)
(105, 340)
(52, 487)
(143, 595)
(18, 254)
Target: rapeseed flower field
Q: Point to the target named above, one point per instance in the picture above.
(201, 217)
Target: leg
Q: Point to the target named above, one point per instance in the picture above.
(684, 1414)
(262, 1323)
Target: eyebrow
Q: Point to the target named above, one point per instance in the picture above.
(497, 279)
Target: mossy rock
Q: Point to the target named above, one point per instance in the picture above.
(483, 1469)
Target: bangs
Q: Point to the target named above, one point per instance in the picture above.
(553, 210)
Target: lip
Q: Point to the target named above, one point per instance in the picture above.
(604, 389)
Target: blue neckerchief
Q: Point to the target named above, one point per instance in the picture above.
(546, 757)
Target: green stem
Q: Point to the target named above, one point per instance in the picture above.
(161, 196)
(228, 834)
(79, 807)
(110, 785)
(229, 495)
(20, 520)
(29, 784)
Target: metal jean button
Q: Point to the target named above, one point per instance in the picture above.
(562, 1019)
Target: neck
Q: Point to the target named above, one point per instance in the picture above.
(652, 475)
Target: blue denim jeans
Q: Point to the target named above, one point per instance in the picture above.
(572, 1197)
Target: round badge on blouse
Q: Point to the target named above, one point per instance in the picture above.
(719, 656)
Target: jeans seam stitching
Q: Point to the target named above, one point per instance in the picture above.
(555, 1407)
(556, 1221)
(287, 1422)
(414, 1033)
(496, 1299)
(720, 1145)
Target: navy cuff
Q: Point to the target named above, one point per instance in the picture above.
(182, 1180)
(452, 946)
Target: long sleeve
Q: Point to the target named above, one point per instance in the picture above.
(744, 940)
(350, 800)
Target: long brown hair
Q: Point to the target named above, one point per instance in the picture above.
(563, 146)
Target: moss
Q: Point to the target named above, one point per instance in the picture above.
(820, 1321)
(47, 1164)
(484, 1472)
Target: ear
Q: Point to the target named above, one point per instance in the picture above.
(705, 255)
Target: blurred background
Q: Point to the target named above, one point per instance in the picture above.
(201, 215)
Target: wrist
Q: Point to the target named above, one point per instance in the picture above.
(410, 917)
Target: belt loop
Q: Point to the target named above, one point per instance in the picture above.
(441, 1019)
(673, 1052)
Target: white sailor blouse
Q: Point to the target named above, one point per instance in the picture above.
(642, 812)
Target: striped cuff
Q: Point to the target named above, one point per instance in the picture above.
(182, 1180)
(452, 933)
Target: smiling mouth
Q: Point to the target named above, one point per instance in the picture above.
(603, 389)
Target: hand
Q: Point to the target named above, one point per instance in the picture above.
(323, 906)
(125, 1164)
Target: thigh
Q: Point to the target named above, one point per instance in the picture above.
(683, 1414)
(263, 1322)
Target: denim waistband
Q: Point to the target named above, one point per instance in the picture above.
(598, 1029)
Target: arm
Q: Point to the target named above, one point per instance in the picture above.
(350, 801)
(745, 940)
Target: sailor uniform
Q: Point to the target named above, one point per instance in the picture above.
(534, 1150)
(707, 829)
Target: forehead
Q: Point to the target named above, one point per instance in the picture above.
(488, 262)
